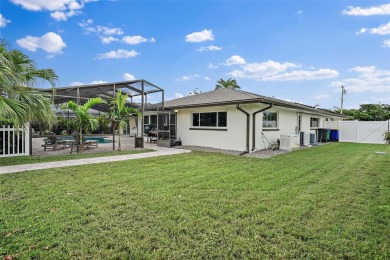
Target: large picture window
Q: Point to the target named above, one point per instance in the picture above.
(209, 119)
(270, 119)
(314, 122)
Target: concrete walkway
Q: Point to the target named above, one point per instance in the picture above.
(48, 165)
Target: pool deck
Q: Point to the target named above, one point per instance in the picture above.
(127, 143)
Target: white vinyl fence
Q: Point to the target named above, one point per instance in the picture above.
(13, 141)
(370, 132)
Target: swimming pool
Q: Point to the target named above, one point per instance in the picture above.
(100, 140)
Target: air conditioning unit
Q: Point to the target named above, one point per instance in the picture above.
(312, 138)
(301, 138)
(306, 139)
(285, 142)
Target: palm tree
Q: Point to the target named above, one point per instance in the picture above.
(120, 113)
(20, 101)
(84, 121)
(230, 83)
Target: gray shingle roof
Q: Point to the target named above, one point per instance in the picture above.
(217, 97)
(228, 96)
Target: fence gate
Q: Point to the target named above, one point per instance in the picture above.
(370, 132)
(14, 141)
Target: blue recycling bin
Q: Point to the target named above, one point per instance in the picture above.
(334, 135)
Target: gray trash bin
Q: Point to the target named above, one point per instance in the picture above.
(139, 142)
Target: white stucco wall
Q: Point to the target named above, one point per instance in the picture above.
(235, 136)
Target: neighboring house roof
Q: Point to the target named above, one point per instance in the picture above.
(229, 96)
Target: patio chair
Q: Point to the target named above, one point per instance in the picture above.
(87, 144)
(90, 143)
(52, 141)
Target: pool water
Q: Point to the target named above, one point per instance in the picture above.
(100, 140)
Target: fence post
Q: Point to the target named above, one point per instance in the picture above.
(27, 135)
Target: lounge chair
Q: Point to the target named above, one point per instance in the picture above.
(87, 144)
(52, 141)
(90, 143)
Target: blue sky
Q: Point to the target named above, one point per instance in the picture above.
(300, 51)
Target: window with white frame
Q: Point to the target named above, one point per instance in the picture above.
(209, 119)
(314, 122)
(270, 119)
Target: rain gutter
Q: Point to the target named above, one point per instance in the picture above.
(247, 128)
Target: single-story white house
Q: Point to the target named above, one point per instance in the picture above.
(238, 120)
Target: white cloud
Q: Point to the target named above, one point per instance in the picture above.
(63, 16)
(383, 29)
(59, 16)
(74, 5)
(188, 77)
(303, 75)
(383, 100)
(212, 66)
(60, 9)
(133, 40)
(128, 76)
(105, 30)
(98, 82)
(108, 40)
(118, 54)
(374, 10)
(3, 21)
(50, 43)
(39, 5)
(205, 35)
(100, 30)
(368, 79)
(262, 70)
(275, 71)
(76, 83)
(300, 12)
(322, 96)
(210, 48)
(386, 43)
(207, 78)
(235, 60)
(178, 95)
(86, 23)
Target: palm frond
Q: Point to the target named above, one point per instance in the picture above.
(13, 110)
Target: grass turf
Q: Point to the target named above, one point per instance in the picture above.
(6, 161)
(331, 201)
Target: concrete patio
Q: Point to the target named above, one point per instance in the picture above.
(127, 144)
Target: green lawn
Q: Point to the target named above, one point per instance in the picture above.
(40, 159)
(331, 201)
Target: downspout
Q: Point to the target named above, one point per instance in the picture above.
(247, 128)
(254, 125)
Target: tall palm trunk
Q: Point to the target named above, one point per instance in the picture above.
(119, 138)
